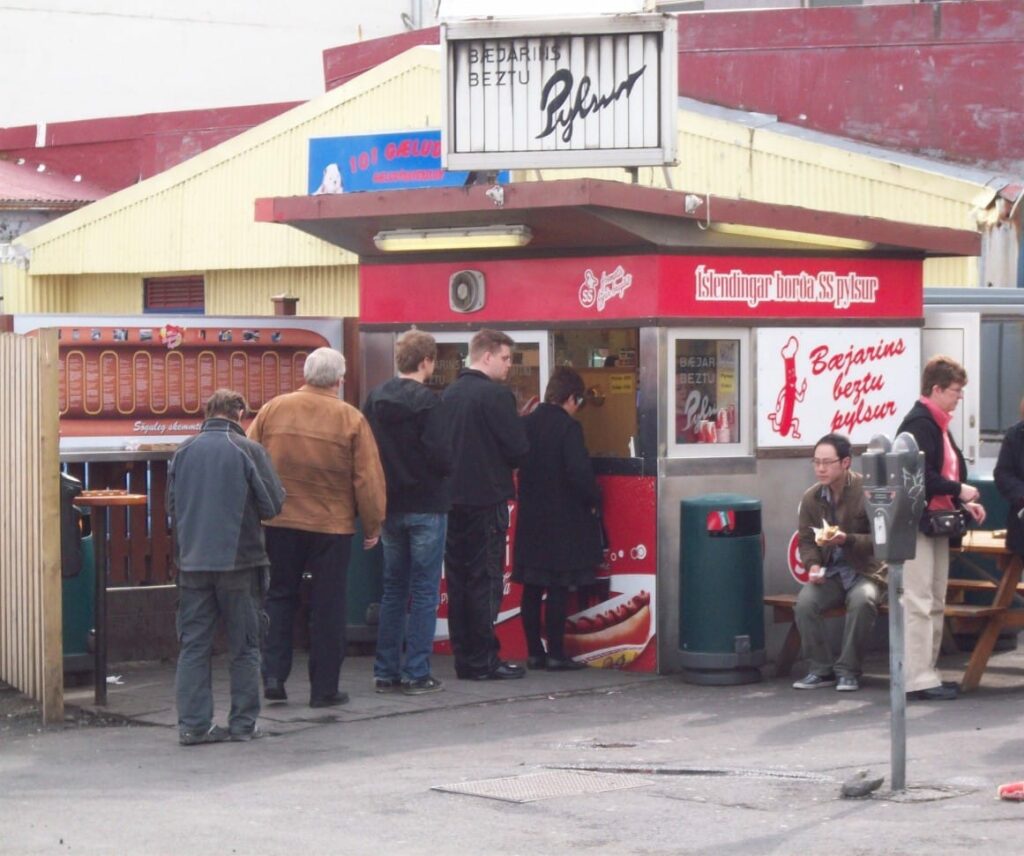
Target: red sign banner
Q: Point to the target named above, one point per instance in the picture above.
(606, 288)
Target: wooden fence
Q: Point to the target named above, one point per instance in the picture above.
(31, 657)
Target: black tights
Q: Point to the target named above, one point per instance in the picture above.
(554, 619)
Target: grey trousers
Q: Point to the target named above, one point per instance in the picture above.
(861, 608)
(203, 597)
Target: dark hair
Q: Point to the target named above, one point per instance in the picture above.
(488, 342)
(225, 403)
(839, 442)
(412, 349)
(943, 372)
(564, 384)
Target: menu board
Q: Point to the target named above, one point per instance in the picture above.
(129, 381)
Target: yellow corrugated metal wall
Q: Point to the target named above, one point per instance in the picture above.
(332, 291)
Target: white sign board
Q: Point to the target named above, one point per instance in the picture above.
(855, 381)
(587, 92)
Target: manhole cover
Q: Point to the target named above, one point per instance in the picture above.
(531, 787)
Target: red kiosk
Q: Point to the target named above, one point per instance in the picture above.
(718, 339)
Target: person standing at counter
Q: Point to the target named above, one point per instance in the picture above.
(836, 548)
(327, 457)
(1009, 479)
(409, 425)
(925, 576)
(219, 486)
(488, 441)
(558, 532)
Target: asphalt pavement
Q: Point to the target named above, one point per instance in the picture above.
(586, 762)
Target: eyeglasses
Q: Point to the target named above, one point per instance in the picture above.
(824, 462)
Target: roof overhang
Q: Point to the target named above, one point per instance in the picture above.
(579, 215)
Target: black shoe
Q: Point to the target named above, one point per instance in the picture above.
(330, 701)
(254, 733)
(939, 693)
(954, 684)
(538, 662)
(556, 665)
(273, 690)
(501, 672)
(422, 686)
(213, 734)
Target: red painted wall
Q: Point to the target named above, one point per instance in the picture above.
(939, 79)
(114, 153)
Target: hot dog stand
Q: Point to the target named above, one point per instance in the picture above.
(718, 340)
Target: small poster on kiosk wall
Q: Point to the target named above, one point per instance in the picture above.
(813, 381)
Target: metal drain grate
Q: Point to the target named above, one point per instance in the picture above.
(531, 787)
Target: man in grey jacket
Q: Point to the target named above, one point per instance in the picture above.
(219, 486)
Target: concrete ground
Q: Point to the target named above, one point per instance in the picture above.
(614, 763)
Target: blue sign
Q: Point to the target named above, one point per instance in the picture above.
(381, 162)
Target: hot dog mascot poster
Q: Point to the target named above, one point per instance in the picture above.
(854, 381)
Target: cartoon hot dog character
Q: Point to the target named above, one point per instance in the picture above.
(627, 624)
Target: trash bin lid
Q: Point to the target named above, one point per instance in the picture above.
(723, 501)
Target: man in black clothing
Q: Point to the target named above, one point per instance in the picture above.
(489, 441)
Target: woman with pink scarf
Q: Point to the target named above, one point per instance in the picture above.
(925, 576)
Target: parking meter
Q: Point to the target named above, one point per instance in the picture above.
(894, 495)
(894, 499)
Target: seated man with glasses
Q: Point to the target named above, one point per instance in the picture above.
(836, 548)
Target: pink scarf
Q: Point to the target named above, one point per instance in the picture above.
(950, 464)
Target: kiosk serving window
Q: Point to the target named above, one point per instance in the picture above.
(709, 399)
(607, 360)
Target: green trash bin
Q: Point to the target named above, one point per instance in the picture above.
(721, 589)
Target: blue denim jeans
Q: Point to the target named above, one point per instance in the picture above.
(413, 551)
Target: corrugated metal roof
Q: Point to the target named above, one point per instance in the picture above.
(199, 214)
(24, 185)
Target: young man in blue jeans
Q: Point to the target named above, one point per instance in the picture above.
(415, 451)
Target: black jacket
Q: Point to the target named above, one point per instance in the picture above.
(555, 524)
(219, 486)
(487, 437)
(926, 431)
(1009, 478)
(414, 444)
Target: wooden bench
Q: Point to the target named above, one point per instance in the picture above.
(782, 612)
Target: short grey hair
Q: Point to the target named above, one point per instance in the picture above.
(324, 368)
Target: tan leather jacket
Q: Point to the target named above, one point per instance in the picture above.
(851, 517)
(326, 456)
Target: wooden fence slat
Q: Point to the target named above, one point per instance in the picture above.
(31, 657)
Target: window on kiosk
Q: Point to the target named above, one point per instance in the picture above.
(709, 393)
(608, 361)
(527, 377)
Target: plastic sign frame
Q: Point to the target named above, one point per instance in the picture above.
(583, 92)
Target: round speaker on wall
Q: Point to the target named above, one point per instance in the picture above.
(466, 291)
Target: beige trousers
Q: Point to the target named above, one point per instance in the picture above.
(924, 599)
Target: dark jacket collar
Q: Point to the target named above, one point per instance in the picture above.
(219, 423)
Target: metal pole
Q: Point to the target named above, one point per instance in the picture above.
(99, 544)
(897, 694)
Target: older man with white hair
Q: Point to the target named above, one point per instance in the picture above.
(327, 458)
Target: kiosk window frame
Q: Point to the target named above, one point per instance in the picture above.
(710, 344)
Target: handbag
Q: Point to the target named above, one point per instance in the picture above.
(944, 524)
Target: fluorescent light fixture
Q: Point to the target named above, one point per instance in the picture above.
(468, 238)
(829, 241)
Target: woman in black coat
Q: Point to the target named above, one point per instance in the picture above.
(1009, 478)
(558, 530)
